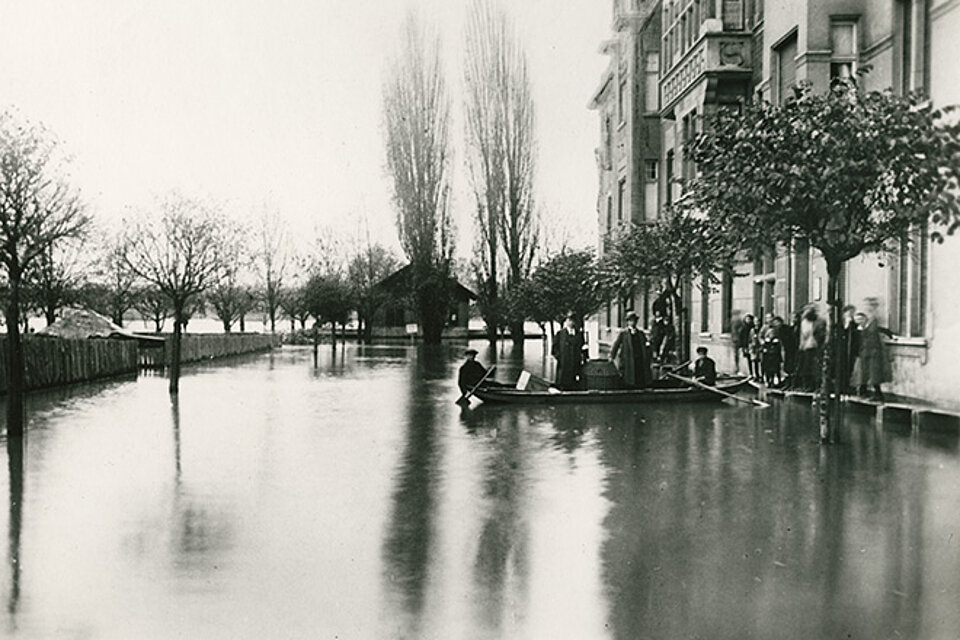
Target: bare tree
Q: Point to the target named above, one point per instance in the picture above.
(500, 138)
(55, 279)
(37, 211)
(416, 109)
(229, 295)
(272, 260)
(117, 277)
(180, 254)
(152, 305)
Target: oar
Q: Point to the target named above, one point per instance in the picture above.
(671, 369)
(706, 387)
(467, 395)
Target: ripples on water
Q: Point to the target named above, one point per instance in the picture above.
(354, 499)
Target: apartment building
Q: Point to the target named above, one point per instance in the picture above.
(628, 157)
(909, 45)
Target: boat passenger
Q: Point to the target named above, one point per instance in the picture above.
(705, 369)
(634, 361)
(569, 350)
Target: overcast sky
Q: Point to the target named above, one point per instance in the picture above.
(277, 103)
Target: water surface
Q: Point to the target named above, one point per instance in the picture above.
(354, 499)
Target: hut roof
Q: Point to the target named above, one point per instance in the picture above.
(400, 281)
(83, 323)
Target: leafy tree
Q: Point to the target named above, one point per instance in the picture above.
(328, 299)
(370, 265)
(416, 107)
(666, 252)
(294, 305)
(500, 136)
(845, 171)
(181, 254)
(38, 211)
(570, 282)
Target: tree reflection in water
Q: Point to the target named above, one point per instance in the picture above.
(409, 540)
(15, 447)
(501, 565)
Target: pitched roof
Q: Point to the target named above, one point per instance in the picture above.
(83, 323)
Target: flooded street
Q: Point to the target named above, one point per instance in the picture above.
(355, 499)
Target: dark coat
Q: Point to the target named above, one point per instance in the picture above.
(568, 350)
(634, 362)
(849, 338)
(471, 373)
(873, 364)
(705, 370)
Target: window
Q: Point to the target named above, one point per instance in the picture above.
(622, 98)
(911, 42)
(732, 15)
(608, 143)
(650, 170)
(786, 67)
(844, 50)
(704, 304)
(726, 299)
(609, 214)
(908, 294)
(669, 177)
(621, 198)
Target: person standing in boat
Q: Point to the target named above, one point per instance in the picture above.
(634, 362)
(704, 368)
(569, 350)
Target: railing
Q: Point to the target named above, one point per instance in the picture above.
(715, 53)
(195, 347)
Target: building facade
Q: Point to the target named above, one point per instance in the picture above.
(628, 157)
(907, 45)
(715, 54)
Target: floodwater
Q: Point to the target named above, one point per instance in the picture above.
(354, 499)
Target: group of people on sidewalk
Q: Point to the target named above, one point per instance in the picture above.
(789, 356)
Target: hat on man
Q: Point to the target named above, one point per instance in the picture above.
(701, 351)
(631, 315)
(470, 352)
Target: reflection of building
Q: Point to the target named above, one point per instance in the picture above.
(629, 151)
(716, 53)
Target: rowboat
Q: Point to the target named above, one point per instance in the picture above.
(675, 393)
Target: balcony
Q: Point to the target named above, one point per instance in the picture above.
(716, 55)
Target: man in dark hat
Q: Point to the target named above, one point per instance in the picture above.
(569, 351)
(471, 372)
(634, 362)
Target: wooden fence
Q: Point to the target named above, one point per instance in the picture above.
(52, 362)
(195, 347)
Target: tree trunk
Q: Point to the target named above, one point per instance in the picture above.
(226, 325)
(243, 323)
(828, 403)
(178, 324)
(273, 319)
(517, 333)
(15, 366)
